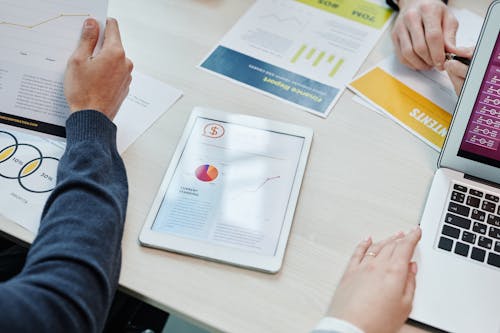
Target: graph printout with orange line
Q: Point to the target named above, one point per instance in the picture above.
(37, 37)
(231, 186)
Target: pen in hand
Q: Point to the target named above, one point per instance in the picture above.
(452, 56)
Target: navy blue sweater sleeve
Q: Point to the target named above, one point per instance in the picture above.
(71, 272)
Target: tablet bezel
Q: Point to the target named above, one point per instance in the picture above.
(234, 256)
(449, 156)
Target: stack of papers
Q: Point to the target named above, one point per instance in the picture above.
(420, 101)
(28, 173)
(36, 39)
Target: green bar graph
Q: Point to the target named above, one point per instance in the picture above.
(299, 53)
(336, 68)
(310, 54)
(318, 58)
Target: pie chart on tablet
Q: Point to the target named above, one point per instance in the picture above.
(207, 173)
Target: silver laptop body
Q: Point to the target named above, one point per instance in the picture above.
(458, 280)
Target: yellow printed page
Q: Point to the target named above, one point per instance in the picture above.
(361, 11)
(408, 107)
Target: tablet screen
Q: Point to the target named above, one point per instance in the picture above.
(231, 186)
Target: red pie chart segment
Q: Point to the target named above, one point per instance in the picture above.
(207, 173)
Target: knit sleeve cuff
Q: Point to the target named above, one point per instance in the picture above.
(395, 5)
(90, 125)
(334, 325)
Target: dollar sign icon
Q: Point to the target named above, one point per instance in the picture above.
(214, 131)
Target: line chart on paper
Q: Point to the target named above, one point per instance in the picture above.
(32, 26)
(41, 32)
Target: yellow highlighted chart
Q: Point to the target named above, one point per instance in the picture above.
(26, 164)
(7, 152)
(316, 58)
(362, 11)
(413, 111)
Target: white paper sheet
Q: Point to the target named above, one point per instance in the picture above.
(28, 162)
(37, 37)
(147, 101)
(300, 51)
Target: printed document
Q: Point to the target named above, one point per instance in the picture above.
(420, 101)
(304, 52)
(37, 37)
(28, 163)
(147, 101)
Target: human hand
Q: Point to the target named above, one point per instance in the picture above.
(377, 289)
(102, 82)
(456, 70)
(423, 30)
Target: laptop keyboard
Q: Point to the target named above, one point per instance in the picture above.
(471, 225)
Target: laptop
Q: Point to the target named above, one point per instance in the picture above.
(458, 283)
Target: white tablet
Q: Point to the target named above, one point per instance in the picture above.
(230, 191)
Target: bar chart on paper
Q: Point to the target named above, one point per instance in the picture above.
(330, 63)
(43, 32)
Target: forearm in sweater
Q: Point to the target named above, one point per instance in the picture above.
(72, 268)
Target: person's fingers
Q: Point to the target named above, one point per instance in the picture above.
(434, 38)
(409, 291)
(407, 52)
(450, 27)
(458, 71)
(418, 38)
(397, 47)
(465, 52)
(405, 247)
(456, 68)
(374, 250)
(388, 249)
(457, 83)
(130, 65)
(88, 39)
(112, 37)
(129, 81)
(359, 253)
(456, 80)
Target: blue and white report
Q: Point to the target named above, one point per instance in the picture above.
(304, 52)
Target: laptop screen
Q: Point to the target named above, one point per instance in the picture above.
(481, 141)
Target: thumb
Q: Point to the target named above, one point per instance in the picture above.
(88, 39)
(450, 27)
(465, 52)
(411, 284)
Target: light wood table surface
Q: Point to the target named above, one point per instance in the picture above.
(365, 176)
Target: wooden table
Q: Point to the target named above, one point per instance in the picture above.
(366, 176)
